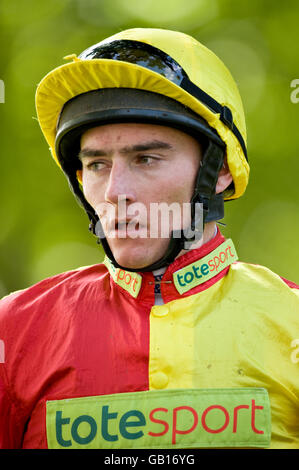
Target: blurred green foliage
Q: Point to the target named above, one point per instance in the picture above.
(43, 230)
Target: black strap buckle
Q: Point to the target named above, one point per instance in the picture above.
(227, 117)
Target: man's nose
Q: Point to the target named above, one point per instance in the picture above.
(120, 184)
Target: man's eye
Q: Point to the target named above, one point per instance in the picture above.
(95, 166)
(146, 159)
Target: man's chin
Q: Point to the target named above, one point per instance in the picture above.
(137, 254)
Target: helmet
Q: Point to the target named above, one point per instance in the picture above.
(150, 76)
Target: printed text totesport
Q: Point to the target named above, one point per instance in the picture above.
(211, 417)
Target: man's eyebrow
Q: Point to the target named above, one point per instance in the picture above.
(142, 147)
(92, 153)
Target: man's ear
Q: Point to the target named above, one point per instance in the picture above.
(224, 179)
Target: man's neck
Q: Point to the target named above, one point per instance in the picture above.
(209, 232)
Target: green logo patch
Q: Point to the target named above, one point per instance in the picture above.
(130, 281)
(204, 269)
(180, 418)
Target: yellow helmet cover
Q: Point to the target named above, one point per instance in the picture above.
(207, 88)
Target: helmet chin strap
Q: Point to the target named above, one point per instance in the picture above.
(204, 193)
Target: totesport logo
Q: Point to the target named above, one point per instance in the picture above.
(129, 281)
(179, 418)
(204, 269)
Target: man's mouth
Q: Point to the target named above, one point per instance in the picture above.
(126, 229)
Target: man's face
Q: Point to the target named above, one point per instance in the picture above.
(129, 167)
